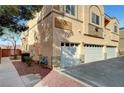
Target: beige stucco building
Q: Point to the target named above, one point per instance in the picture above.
(70, 35)
(121, 41)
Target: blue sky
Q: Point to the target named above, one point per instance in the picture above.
(8, 34)
(6, 43)
(112, 10)
(116, 11)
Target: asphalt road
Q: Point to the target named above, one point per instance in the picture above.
(106, 73)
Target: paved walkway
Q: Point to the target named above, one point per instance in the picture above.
(58, 79)
(8, 75)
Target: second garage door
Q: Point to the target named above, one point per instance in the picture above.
(93, 53)
(111, 52)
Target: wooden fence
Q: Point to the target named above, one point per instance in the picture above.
(0, 55)
(10, 52)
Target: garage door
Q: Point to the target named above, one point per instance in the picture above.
(111, 52)
(93, 53)
(69, 54)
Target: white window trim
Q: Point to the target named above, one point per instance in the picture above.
(92, 21)
(114, 28)
(74, 16)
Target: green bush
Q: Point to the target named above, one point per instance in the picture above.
(24, 55)
(28, 60)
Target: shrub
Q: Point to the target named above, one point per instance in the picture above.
(28, 60)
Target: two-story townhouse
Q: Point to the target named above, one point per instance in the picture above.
(121, 41)
(73, 34)
(112, 37)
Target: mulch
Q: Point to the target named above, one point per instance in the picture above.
(23, 69)
(49, 77)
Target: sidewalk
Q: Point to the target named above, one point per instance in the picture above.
(8, 75)
(34, 76)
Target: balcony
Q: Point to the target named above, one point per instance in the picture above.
(111, 37)
(95, 31)
(114, 37)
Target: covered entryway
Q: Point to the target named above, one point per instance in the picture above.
(111, 52)
(93, 53)
(69, 54)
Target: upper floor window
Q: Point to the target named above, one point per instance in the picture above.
(115, 28)
(95, 19)
(70, 9)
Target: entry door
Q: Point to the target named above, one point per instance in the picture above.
(69, 55)
(93, 53)
(111, 52)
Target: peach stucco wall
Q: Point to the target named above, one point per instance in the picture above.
(50, 38)
(46, 35)
(80, 28)
(121, 42)
(88, 9)
(59, 35)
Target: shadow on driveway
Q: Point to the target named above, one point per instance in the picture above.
(107, 73)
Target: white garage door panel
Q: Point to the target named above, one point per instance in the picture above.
(69, 56)
(111, 52)
(93, 54)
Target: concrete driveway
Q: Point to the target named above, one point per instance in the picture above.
(107, 73)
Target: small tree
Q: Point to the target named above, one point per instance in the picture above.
(15, 17)
(12, 38)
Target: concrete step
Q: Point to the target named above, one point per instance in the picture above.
(31, 79)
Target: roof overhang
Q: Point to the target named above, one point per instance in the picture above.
(107, 19)
(116, 19)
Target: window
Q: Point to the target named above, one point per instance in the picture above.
(115, 28)
(70, 9)
(67, 44)
(62, 44)
(95, 19)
